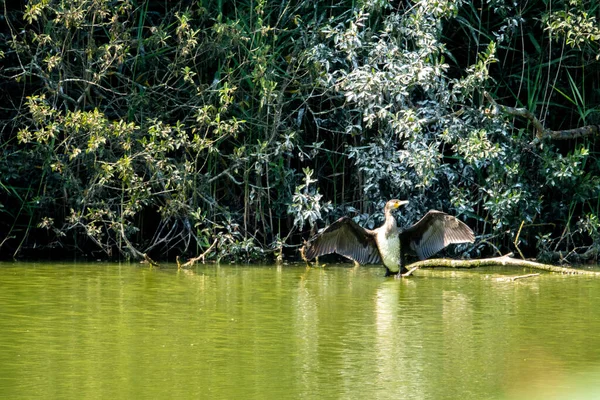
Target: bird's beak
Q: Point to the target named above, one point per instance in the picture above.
(401, 203)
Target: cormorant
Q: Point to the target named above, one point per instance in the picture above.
(387, 245)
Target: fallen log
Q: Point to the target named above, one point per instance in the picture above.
(495, 261)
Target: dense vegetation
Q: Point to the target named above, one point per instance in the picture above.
(157, 127)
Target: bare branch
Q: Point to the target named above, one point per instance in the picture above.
(541, 132)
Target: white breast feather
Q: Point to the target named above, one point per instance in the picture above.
(389, 248)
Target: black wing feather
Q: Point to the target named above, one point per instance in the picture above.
(433, 232)
(347, 238)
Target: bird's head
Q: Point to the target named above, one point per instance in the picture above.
(394, 204)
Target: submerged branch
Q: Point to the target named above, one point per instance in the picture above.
(150, 261)
(514, 278)
(201, 257)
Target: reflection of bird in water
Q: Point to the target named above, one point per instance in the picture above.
(387, 245)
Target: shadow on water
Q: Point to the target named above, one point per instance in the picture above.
(127, 331)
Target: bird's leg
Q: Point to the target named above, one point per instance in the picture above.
(402, 269)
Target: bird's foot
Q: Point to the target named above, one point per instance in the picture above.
(396, 275)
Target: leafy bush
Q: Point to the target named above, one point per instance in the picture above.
(148, 127)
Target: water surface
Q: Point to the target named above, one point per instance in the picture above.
(106, 331)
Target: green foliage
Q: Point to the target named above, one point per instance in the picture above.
(306, 202)
(574, 25)
(136, 127)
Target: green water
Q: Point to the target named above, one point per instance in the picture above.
(105, 331)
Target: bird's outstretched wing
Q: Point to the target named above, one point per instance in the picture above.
(344, 237)
(433, 232)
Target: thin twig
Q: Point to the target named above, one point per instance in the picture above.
(5, 239)
(516, 242)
